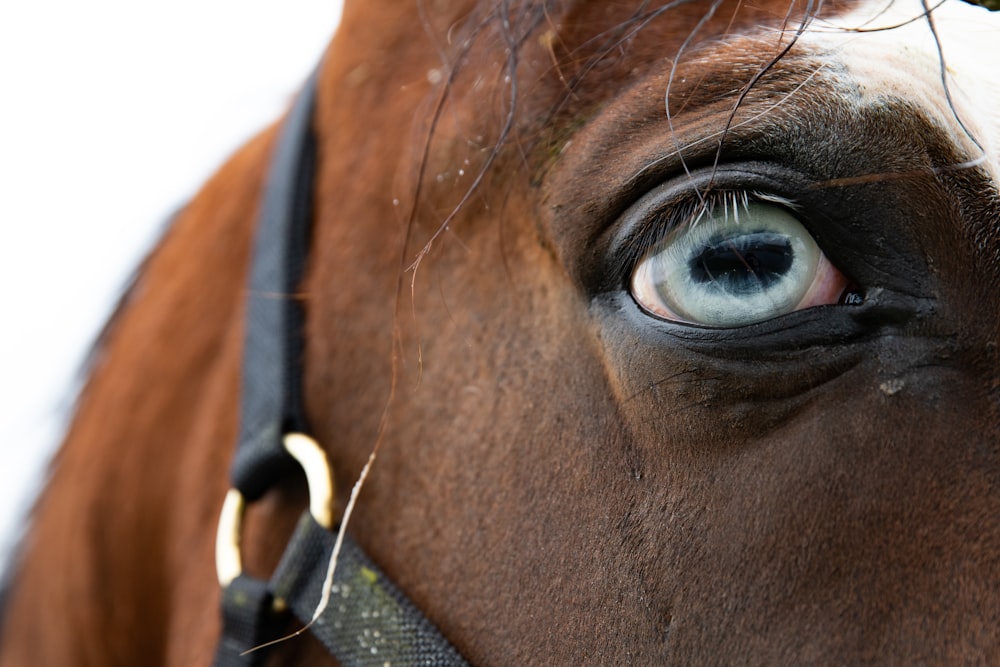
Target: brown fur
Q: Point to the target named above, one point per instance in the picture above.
(561, 482)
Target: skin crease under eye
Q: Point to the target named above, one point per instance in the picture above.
(827, 288)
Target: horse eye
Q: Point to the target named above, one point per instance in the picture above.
(736, 265)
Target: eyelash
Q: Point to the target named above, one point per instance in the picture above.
(680, 214)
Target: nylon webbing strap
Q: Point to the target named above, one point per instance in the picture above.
(270, 403)
(249, 619)
(369, 622)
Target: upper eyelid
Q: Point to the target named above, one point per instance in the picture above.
(690, 212)
(618, 237)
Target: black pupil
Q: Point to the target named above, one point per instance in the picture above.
(743, 264)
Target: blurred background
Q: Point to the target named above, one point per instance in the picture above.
(111, 115)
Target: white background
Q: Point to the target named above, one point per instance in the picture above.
(111, 115)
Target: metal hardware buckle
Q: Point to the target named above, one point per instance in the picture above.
(312, 459)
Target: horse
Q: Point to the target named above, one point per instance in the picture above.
(780, 446)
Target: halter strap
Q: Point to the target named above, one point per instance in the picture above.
(368, 621)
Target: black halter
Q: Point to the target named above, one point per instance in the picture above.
(368, 621)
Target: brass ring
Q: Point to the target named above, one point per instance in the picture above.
(309, 455)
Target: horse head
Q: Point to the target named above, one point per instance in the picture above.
(777, 446)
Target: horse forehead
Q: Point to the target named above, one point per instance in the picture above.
(889, 48)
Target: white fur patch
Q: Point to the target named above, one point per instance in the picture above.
(888, 48)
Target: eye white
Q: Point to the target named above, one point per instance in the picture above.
(735, 265)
